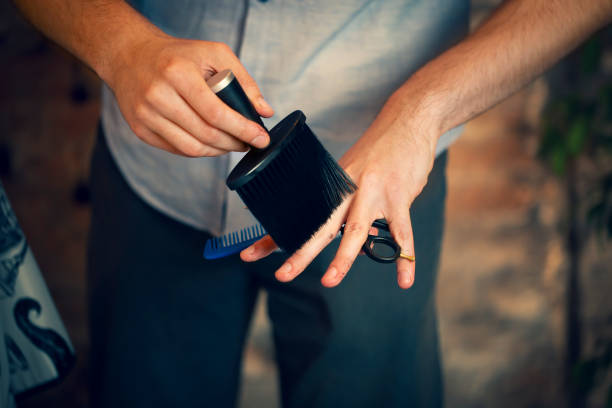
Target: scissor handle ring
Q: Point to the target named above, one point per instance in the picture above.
(381, 223)
(374, 240)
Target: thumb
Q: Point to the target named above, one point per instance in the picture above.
(259, 249)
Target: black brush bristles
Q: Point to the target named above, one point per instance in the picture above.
(293, 185)
(297, 191)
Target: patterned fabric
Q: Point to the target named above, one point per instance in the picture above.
(34, 345)
(338, 61)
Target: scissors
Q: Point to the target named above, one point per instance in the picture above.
(381, 248)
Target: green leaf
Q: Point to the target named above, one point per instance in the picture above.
(558, 160)
(577, 135)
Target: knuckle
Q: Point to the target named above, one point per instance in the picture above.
(208, 152)
(418, 183)
(172, 67)
(140, 112)
(402, 238)
(215, 114)
(190, 153)
(370, 179)
(211, 136)
(354, 227)
(194, 150)
(401, 231)
(299, 256)
(246, 132)
(154, 93)
(139, 131)
(395, 189)
(223, 48)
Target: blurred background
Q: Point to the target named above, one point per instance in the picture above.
(525, 287)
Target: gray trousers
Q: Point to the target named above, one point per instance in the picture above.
(168, 327)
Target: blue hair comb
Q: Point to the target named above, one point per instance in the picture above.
(228, 244)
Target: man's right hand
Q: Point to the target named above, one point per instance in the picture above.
(158, 80)
(160, 85)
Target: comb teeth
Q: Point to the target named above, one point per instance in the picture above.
(228, 244)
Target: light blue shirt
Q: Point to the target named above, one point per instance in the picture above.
(337, 61)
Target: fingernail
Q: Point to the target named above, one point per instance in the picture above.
(283, 273)
(333, 272)
(263, 104)
(260, 141)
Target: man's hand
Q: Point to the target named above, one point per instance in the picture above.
(158, 80)
(391, 161)
(160, 85)
(390, 164)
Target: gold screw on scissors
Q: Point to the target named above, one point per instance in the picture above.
(411, 258)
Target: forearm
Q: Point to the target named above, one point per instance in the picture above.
(159, 81)
(517, 43)
(98, 32)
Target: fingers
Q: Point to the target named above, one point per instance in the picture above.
(355, 234)
(297, 262)
(153, 124)
(266, 245)
(167, 103)
(192, 87)
(156, 140)
(259, 249)
(400, 227)
(170, 105)
(356, 230)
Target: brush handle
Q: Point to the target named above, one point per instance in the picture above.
(228, 89)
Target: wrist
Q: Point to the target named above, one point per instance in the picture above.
(421, 111)
(115, 49)
(123, 54)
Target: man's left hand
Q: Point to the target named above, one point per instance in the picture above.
(390, 164)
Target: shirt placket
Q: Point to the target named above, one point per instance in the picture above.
(237, 216)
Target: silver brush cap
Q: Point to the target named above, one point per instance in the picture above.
(220, 80)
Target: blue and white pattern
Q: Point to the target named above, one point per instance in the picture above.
(34, 345)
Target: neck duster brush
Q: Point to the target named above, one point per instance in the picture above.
(293, 185)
